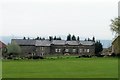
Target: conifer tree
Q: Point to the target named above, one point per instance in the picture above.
(69, 37)
(73, 38)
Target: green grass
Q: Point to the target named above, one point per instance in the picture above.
(61, 68)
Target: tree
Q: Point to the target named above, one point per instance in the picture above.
(59, 38)
(73, 38)
(55, 38)
(28, 38)
(37, 38)
(40, 38)
(24, 38)
(50, 38)
(69, 37)
(13, 49)
(115, 25)
(98, 48)
(43, 38)
(93, 39)
(78, 39)
(89, 39)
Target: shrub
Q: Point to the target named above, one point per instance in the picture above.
(13, 49)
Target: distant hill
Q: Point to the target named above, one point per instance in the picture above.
(106, 43)
(7, 39)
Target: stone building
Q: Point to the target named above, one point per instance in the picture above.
(55, 47)
(116, 45)
(2, 49)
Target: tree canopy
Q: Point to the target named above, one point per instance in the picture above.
(115, 25)
(98, 48)
(69, 37)
(78, 38)
(73, 38)
(13, 48)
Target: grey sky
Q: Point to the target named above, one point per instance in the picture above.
(85, 18)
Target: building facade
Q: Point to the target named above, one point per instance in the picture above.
(55, 47)
(2, 49)
(116, 45)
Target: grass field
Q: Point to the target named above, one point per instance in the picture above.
(61, 68)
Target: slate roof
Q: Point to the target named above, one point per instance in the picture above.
(42, 43)
(58, 42)
(48, 43)
(24, 42)
(86, 42)
(116, 37)
(72, 42)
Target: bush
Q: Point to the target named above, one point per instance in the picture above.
(35, 57)
(13, 49)
(113, 54)
(9, 57)
(100, 55)
(86, 56)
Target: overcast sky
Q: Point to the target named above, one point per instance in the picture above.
(85, 18)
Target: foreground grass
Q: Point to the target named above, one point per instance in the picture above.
(61, 68)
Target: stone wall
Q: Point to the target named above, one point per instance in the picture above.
(27, 50)
(42, 50)
(116, 45)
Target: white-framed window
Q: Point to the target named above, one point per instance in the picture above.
(85, 50)
(66, 50)
(81, 50)
(88, 50)
(42, 48)
(74, 50)
(57, 50)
